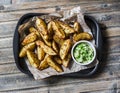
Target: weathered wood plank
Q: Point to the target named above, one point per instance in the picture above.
(84, 88)
(8, 69)
(111, 44)
(92, 6)
(6, 42)
(22, 1)
(83, 1)
(6, 56)
(3, 2)
(7, 29)
(22, 82)
(108, 18)
(111, 31)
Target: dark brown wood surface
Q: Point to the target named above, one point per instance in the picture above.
(106, 12)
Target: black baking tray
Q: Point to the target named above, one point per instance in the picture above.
(95, 29)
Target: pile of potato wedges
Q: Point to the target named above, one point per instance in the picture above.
(48, 44)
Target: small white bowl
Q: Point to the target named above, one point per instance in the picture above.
(90, 44)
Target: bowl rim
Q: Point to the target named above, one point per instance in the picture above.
(89, 43)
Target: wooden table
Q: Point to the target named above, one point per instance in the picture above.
(106, 12)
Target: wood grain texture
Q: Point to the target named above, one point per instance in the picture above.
(106, 12)
(108, 18)
(105, 6)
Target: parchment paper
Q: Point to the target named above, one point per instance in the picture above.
(73, 13)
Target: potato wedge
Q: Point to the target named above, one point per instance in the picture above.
(82, 36)
(66, 28)
(50, 29)
(58, 30)
(23, 51)
(54, 65)
(65, 48)
(44, 64)
(78, 27)
(58, 60)
(58, 40)
(47, 42)
(40, 53)
(32, 58)
(66, 61)
(32, 29)
(54, 46)
(29, 39)
(46, 48)
(42, 27)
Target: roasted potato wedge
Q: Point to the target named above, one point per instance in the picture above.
(50, 30)
(66, 61)
(47, 42)
(78, 27)
(32, 58)
(42, 27)
(54, 65)
(58, 40)
(29, 38)
(40, 53)
(23, 51)
(66, 28)
(82, 36)
(64, 49)
(46, 48)
(58, 30)
(58, 60)
(32, 29)
(54, 46)
(44, 64)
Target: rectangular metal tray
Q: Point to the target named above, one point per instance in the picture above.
(95, 29)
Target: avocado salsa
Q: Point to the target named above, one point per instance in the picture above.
(83, 53)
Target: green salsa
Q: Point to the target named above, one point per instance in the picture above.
(83, 53)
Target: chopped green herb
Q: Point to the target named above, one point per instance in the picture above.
(83, 53)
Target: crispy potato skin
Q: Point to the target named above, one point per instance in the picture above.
(40, 53)
(50, 30)
(47, 42)
(44, 64)
(23, 51)
(47, 49)
(42, 27)
(66, 60)
(54, 65)
(78, 27)
(54, 46)
(32, 58)
(82, 36)
(65, 48)
(58, 30)
(66, 28)
(32, 29)
(29, 38)
(58, 60)
(58, 40)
